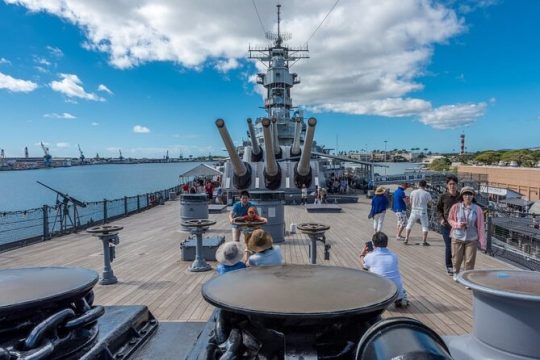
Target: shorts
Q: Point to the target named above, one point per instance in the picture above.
(418, 214)
(402, 218)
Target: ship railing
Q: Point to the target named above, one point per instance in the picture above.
(25, 227)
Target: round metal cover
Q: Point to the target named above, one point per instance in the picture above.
(510, 283)
(300, 291)
(28, 288)
(104, 229)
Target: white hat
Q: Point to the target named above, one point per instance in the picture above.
(230, 253)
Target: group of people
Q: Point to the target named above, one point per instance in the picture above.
(257, 249)
(211, 188)
(461, 220)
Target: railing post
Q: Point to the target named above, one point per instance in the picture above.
(138, 203)
(489, 250)
(125, 206)
(46, 234)
(147, 200)
(104, 211)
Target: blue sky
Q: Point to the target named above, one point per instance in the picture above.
(153, 75)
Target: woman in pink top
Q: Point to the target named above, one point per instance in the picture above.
(467, 221)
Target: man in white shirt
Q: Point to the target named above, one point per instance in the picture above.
(420, 199)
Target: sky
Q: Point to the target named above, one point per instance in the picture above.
(151, 76)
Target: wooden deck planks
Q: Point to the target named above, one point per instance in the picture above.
(150, 270)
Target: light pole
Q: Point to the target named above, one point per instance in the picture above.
(385, 141)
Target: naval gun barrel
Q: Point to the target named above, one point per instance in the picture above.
(242, 171)
(256, 151)
(295, 148)
(272, 171)
(275, 141)
(302, 172)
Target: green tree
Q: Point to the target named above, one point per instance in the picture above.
(441, 164)
(488, 157)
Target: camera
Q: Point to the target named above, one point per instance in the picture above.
(369, 245)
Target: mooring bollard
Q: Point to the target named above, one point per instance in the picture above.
(108, 234)
(198, 227)
(315, 232)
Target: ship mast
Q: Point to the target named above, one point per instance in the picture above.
(278, 80)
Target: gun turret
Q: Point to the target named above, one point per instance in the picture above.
(242, 170)
(295, 148)
(65, 197)
(272, 171)
(302, 171)
(275, 142)
(256, 151)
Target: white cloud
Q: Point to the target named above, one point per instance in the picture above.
(59, 116)
(453, 116)
(4, 61)
(71, 86)
(54, 51)
(62, 145)
(367, 57)
(103, 88)
(94, 123)
(16, 85)
(42, 61)
(138, 129)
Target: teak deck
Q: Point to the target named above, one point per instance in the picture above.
(150, 271)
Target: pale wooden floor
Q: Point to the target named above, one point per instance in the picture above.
(150, 271)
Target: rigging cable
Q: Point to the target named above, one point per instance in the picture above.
(318, 27)
(259, 17)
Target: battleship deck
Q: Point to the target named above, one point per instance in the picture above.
(150, 271)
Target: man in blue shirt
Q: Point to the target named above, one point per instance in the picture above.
(399, 206)
(240, 208)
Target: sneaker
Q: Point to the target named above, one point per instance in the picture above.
(454, 277)
(425, 243)
(398, 303)
(450, 270)
(406, 242)
(400, 238)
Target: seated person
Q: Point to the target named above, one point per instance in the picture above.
(384, 262)
(263, 252)
(229, 255)
(252, 216)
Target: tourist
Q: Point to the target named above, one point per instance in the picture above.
(229, 255)
(324, 195)
(219, 194)
(384, 262)
(264, 253)
(446, 201)
(399, 206)
(317, 195)
(240, 208)
(467, 221)
(304, 193)
(379, 203)
(252, 216)
(420, 199)
(209, 189)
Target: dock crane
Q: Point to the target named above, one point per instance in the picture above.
(82, 155)
(121, 157)
(46, 157)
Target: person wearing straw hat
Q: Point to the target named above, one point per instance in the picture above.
(379, 203)
(264, 252)
(229, 255)
(467, 221)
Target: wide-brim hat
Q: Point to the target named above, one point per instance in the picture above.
(259, 241)
(379, 191)
(230, 253)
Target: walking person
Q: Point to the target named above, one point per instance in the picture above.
(304, 194)
(379, 203)
(467, 221)
(399, 207)
(445, 203)
(420, 199)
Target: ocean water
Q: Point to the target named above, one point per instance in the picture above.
(20, 191)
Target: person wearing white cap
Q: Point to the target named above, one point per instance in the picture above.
(467, 221)
(229, 255)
